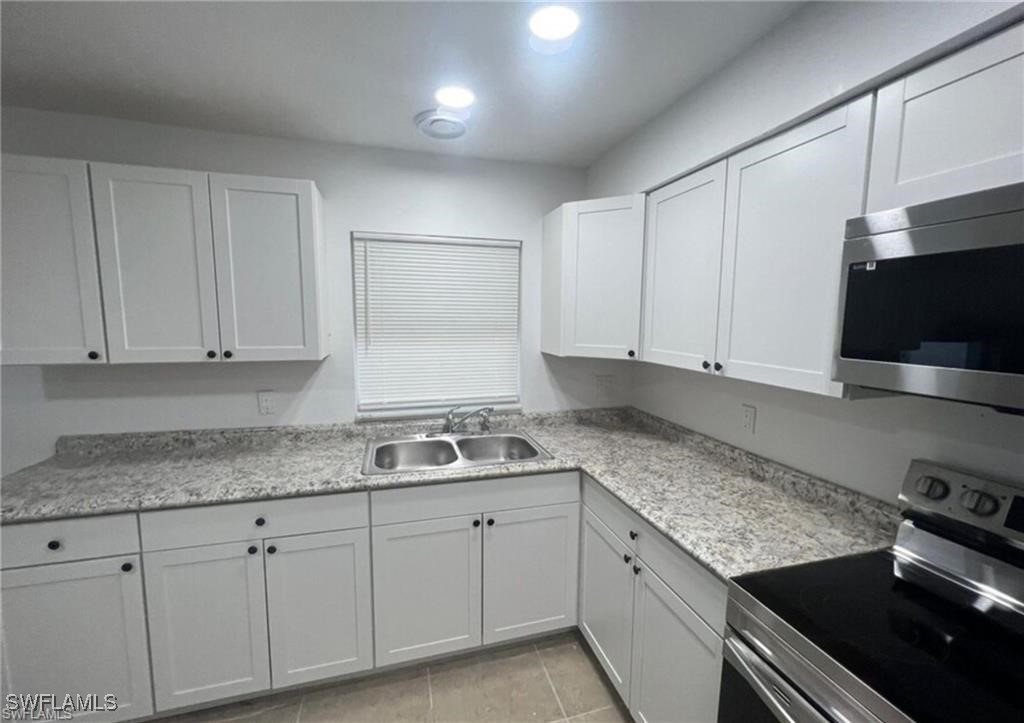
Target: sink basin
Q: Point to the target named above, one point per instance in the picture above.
(414, 454)
(419, 452)
(496, 448)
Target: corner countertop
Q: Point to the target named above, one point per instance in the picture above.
(731, 510)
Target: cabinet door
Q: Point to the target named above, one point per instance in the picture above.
(325, 633)
(952, 127)
(51, 283)
(677, 658)
(156, 262)
(426, 588)
(606, 599)
(207, 623)
(265, 238)
(683, 265)
(78, 628)
(602, 268)
(786, 207)
(530, 561)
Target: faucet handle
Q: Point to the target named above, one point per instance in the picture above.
(449, 419)
(485, 419)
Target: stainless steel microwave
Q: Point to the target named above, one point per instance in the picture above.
(932, 300)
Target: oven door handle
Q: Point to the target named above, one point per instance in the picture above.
(784, 701)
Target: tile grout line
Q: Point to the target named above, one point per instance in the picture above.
(430, 690)
(298, 713)
(547, 675)
(596, 710)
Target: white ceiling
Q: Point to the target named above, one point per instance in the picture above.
(359, 72)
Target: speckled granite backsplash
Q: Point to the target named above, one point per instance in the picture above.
(732, 510)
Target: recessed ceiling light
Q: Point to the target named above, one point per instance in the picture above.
(554, 22)
(454, 96)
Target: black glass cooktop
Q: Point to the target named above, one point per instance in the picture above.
(932, 659)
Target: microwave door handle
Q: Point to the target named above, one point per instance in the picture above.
(785, 702)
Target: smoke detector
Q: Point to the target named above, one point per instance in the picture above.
(440, 123)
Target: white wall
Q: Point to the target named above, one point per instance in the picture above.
(864, 444)
(364, 189)
(823, 52)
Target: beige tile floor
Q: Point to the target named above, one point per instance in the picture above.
(553, 679)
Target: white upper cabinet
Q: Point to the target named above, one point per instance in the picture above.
(51, 290)
(156, 262)
(194, 266)
(683, 264)
(268, 248)
(952, 127)
(591, 268)
(786, 205)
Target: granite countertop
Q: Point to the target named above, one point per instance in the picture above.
(731, 510)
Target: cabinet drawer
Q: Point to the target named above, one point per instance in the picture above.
(33, 543)
(466, 498)
(621, 520)
(695, 584)
(191, 526)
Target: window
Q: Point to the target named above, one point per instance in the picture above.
(437, 321)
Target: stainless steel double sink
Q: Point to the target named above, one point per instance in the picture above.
(420, 452)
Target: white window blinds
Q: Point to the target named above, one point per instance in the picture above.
(437, 321)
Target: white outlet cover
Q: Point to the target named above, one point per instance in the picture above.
(605, 384)
(749, 418)
(265, 402)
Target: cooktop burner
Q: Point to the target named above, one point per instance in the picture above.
(932, 658)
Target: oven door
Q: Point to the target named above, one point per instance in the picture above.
(752, 691)
(937, 311)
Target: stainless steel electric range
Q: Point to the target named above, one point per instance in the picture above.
(931, 629)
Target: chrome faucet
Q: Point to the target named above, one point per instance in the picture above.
(451, 424)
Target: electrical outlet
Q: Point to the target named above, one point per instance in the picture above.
(749, 418)
(605, 387)
(265, 402)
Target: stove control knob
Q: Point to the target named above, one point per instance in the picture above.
(932, 487)
(980, 503)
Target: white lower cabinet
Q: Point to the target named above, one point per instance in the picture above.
(427, 587)
(662, 657)
(207, 623)
(677, 658)
(448, 575)
(530, 565)
(606, 599)
(319, 606)
(78, 628)
(227, 619)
